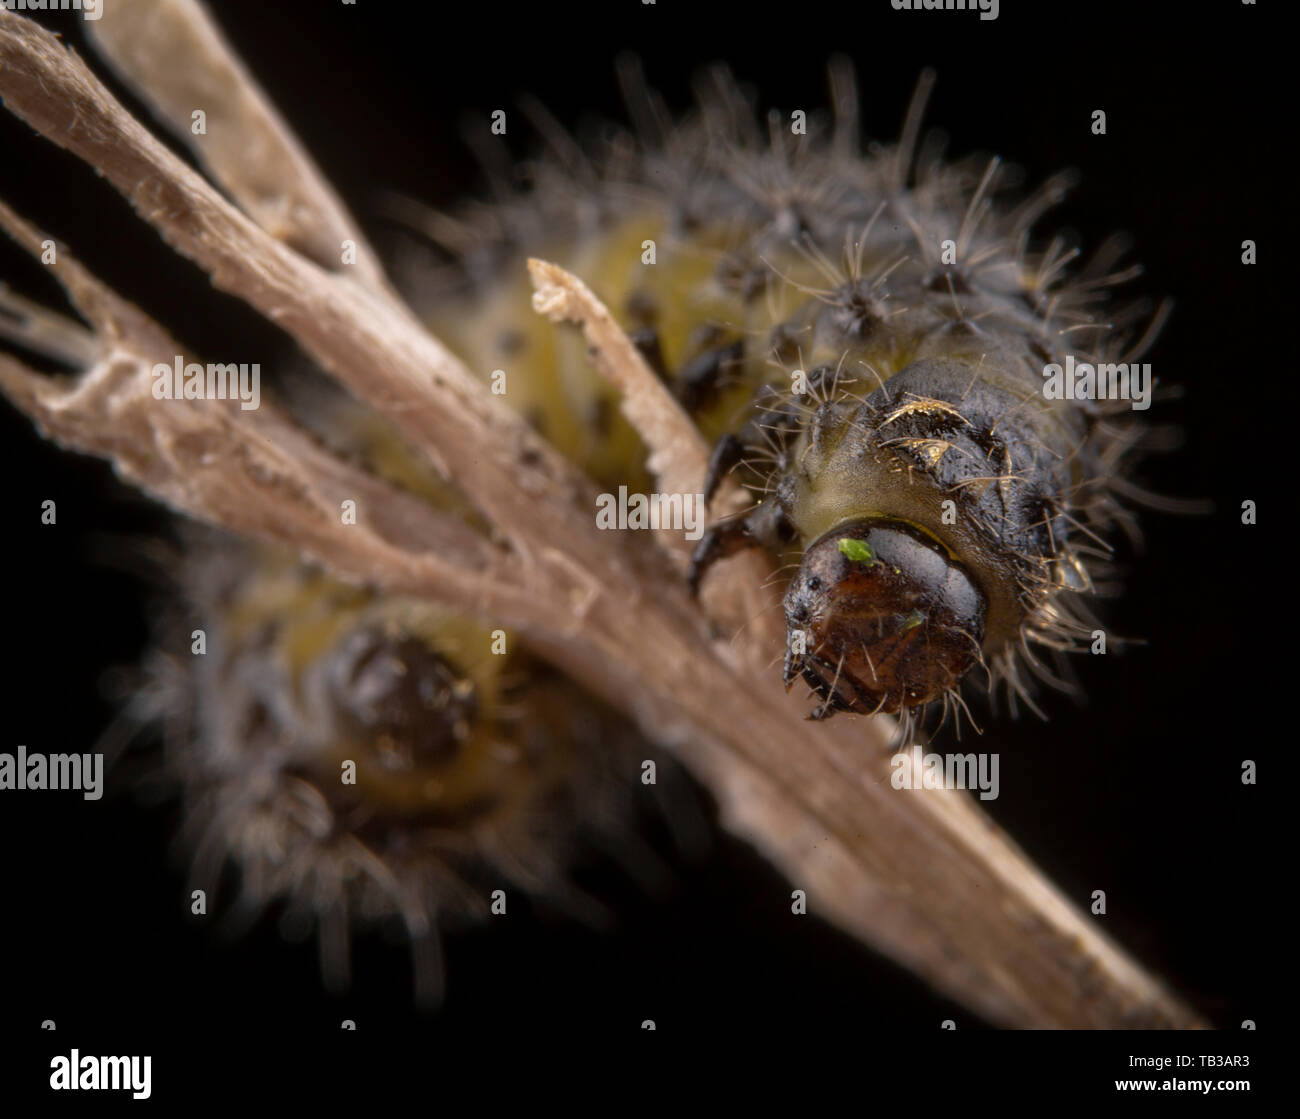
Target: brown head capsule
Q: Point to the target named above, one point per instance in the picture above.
(888, 619)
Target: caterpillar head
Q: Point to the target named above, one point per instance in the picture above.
(884, 617)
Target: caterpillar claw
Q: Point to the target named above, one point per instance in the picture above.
(727, 453)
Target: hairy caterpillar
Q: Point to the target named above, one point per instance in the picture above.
(865, 337)
(356, 757)
(359, 758)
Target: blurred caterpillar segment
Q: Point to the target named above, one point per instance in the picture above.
(864, 336)
(361, 758)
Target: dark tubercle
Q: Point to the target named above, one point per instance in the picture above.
(699, 380)
(395, 688)
(1008, 456)
(889, 619)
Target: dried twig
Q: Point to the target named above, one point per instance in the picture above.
(680, 455)
(254, 472)
(740, 594)
(173, 55)
(922, 876)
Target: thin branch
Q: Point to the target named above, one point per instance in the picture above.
(253, 472)
(174, 57)
(740, 597)
(678, 455)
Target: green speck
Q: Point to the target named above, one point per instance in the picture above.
(914, 619)
(857, 551)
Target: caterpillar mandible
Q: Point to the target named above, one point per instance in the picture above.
(865, 336)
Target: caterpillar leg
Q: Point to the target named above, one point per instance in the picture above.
(763, 526)
(727, 455)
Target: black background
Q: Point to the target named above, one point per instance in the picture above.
(1137, 791)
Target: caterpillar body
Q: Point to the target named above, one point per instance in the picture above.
(864, 337)
(357, 758)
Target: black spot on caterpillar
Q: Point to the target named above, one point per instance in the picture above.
(864, 336)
